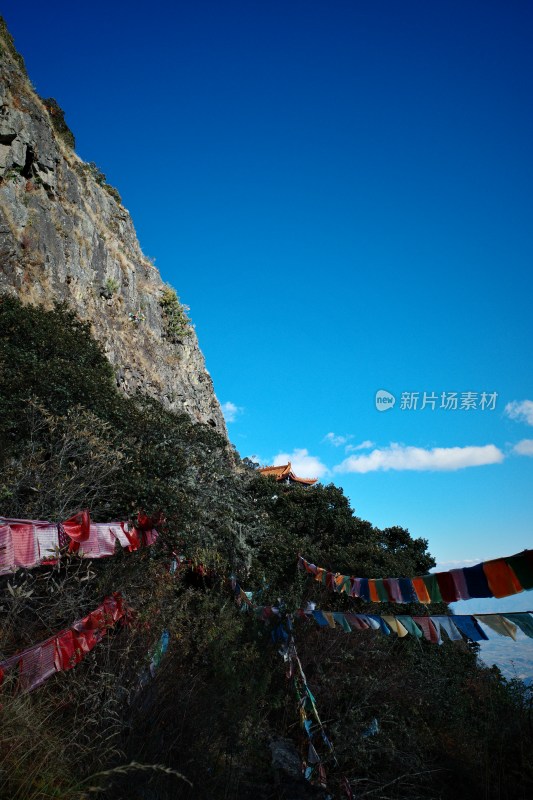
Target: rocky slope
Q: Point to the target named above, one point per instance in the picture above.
(65, 236)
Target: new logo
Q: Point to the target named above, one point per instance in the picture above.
(384, 400)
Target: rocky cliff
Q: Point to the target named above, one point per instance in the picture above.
(65, 236)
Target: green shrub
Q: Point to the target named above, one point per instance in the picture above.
(57, 115)
(13, 174)
(114, 193)
(90, 168)
(177, 323)
(111, 286)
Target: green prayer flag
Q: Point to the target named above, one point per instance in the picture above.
(432, 586)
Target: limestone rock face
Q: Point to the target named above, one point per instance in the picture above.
(65, 236)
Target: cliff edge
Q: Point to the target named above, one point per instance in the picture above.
(65, 236)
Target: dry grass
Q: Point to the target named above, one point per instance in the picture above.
(126, 769)
(55, 740)
(33, 764)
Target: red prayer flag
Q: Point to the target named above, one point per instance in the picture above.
(78, 529)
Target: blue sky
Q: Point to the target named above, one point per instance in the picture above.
(342, 194)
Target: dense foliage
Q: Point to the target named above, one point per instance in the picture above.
(441, 725)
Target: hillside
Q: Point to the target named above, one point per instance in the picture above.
(217, 706)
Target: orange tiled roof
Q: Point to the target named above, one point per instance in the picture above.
(283, 472)
(276, 472)
(306, 481)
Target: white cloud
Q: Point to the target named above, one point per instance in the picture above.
(336, 440)
(231, 411)
(522, 410)
(524, 447)
(400, 457)
(303, 464)
(366, 445)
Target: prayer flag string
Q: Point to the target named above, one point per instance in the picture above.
(313, 765)
(61, 652)
(455, 626)
(30, 543)
(500, 577)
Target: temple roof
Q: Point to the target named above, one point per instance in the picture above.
(284, 473)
